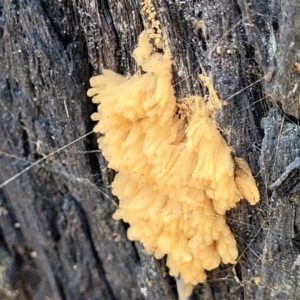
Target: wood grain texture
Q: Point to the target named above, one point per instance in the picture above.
(57, 237)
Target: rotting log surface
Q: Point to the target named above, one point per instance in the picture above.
(57, 237)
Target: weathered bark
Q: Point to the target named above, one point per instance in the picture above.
(57, 237)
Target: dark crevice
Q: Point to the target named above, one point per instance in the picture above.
(24, 136)
(37, 156)
(118, 49)
(60, 288)
(202, 39)
(296, 238)
(16, 4)
(238, 272)
(287, 118)
(56, 21)
(20, 283)
(249, 75)
(290, 118)
(92, 159)
(100, 269)
(275, 26)
(133, 244)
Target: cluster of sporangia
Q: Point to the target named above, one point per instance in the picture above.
(176, 175)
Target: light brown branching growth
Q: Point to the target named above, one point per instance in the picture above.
(175, 180)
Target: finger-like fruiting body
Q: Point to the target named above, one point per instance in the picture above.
(175, 180)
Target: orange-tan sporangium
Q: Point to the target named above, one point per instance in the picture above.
(176, 177)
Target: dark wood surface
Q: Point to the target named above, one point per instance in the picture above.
(57, 237)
